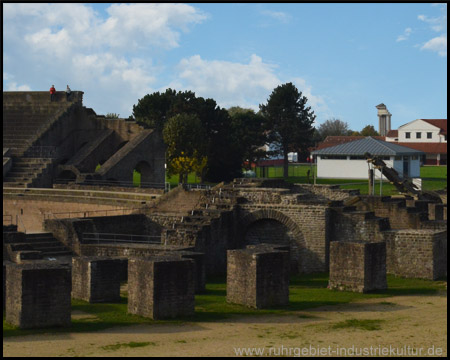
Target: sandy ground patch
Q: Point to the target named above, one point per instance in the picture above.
(410, 325)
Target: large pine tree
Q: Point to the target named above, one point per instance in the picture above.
(289, 121)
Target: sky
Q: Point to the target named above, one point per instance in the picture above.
(345, 58)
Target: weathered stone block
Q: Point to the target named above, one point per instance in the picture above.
(417, 253)
(199, 269)
(161, 287)
(96, 279)
(358, 267)
(258, 276)
(38, 295)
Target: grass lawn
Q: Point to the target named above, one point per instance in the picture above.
(433, 177)
(306, 292)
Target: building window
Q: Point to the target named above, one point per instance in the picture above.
(333, 157)
(429, 135)
(408, 135)
(414, 157)
(418, 135)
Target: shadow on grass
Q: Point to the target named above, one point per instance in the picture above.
(305, 292)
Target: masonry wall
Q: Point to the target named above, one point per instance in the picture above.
(358, 267)
(31, 212)
(161, 288)
(96, 279)
(38, 295)
(258, 277)
(417, 253)
(396, 210)
(313, 225)
(350, 225)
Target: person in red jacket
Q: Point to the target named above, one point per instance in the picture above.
(52, 93)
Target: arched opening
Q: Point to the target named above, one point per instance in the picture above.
(274, 227)
(142, 174)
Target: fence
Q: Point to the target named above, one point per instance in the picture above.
(294, 170)
(90, 213)
(49, 152)
(101, 238)
(118, 183)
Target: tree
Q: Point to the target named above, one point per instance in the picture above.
(249, 134)
(369, 130)
(153, 111)
(289, 121)
(333, 127)
(186, 150)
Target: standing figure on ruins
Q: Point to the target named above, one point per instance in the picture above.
(68, 92)
(52, 93)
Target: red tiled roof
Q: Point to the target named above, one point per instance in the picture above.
(440, 123)
(392, 134)
(429, 148)
(338, 140)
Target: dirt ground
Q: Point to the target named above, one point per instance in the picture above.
(409, 326)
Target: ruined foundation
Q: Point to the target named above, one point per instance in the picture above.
(357, 267)
(258, 277)
(161, 287)
(38, 295)
(96, 279)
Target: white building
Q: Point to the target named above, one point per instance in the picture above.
(427, 135)
(348, 161)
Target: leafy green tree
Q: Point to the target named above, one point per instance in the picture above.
(369, 130)
(186, 149)
(154, 110)
(249, 133)
(333, 127)
(112, 116)
(289, 121)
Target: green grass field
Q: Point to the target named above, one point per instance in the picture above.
(433, 177)
(305, 292)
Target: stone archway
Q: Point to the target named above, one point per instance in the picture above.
(146, 172)
(274, 227)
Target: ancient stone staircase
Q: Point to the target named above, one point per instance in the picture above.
(25, 171)
(34, 246)
(26, 117)
(212, 205)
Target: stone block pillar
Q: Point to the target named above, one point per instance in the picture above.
(38, 295)
(258, 277)
(161, 287)
(357, 266)
(96, 279)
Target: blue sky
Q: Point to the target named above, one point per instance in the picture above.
(345, 58)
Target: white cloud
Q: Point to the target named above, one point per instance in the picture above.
(229, 83)
(405, 35)
(69, 43)
(438, 24)
(237, 84)
(278, 15)
(437, 44)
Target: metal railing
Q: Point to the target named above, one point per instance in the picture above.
(110, 238)
(49, 152)
(118, 183)
(89, 213)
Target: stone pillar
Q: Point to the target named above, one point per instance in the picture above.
(357, 267)
(384, 119)
(258, 276)
(38, 295)
(199, 269)
(161, 287)
(96, 279)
